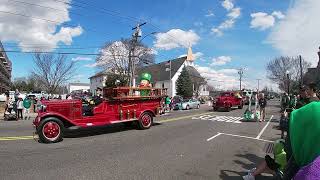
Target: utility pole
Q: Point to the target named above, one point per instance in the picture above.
(131, 68)
(240, 72)
(258, 85)
(301, 73)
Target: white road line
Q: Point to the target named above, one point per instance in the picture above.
(264, 128)
(234, 135)
(214, 136)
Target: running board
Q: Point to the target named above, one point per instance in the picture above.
(127, 120)
(74, 128)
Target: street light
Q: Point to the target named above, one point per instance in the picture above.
(288, 79)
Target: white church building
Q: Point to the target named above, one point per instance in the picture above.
(165, 74)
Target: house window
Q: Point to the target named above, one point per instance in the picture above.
(204, 89)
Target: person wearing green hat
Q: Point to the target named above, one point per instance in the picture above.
(145, 83)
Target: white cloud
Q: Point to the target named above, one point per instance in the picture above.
(278, 14)
(176, 38)
(233, 15)
(220, 79)
(227, 4)
(298, 33)
(228, 71)
(219, 61)
(81, 58)
(210, 14)
(217, 31)
(93, 65)
(43, 35)
(262, 21)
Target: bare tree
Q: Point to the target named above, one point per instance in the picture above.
(52, 70)
(114, 56)
(277, 68)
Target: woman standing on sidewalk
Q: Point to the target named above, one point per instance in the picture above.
(19, 108)
(262, 104)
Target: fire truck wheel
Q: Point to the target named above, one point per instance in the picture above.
(145, 121)
(228, 108)
(50, 130)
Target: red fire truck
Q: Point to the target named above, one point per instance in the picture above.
(118, 105)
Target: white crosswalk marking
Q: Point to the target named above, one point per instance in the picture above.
(228, 119)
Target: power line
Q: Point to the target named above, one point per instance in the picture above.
(47, 52)
(46, 20)
(101, 9)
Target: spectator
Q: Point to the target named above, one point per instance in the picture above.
(167, 101)
(27, 105)
(20, 108)
(34, 102)
(312, 92)
(269, 165)
(303, 97)
(7, 100)
(262, 104)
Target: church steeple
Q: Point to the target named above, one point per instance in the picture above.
(190, 58)
(190, 55)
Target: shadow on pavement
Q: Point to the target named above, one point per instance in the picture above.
(253, 162)
(94, 131)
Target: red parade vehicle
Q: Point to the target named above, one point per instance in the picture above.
(227, 100)
(118, 105)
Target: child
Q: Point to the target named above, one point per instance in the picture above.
(269, 165)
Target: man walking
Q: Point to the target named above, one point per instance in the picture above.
(262, 104)
(27, 105)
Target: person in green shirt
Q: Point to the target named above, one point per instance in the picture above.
(27, 105)
(270, 165)
(167, 102)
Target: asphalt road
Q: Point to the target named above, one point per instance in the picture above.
(195, 144)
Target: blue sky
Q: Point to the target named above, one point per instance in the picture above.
(225, 34)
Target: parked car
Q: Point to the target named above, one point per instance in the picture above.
(227, 100)
(190, 104)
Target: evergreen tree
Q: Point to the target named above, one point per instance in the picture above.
(184, 84)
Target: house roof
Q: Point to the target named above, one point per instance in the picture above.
(193, 72)
(158, 71)
(101, 73)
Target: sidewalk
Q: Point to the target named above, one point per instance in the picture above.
(32, 116)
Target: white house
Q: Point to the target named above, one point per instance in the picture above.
(165, 74)
(78, 87)
(97, 81)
